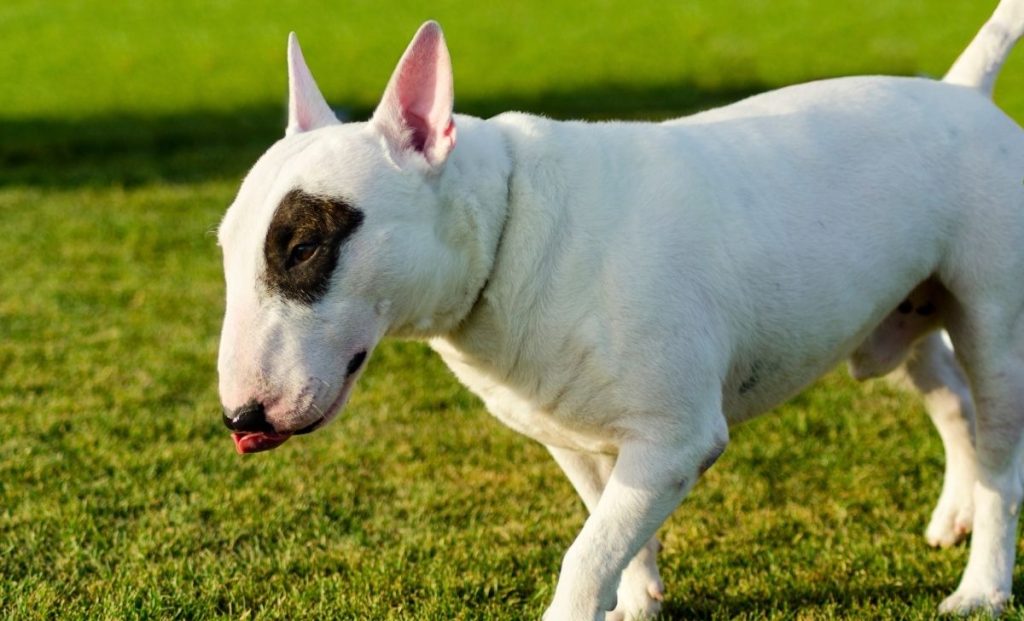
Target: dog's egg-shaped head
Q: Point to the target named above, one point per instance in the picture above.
(331, 243)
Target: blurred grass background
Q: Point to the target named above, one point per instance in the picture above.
(125, 128)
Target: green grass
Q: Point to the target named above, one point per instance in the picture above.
(124, 129)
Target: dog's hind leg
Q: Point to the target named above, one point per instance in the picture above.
(990, 342)
(910, 352)
(932, 369)
(640, 590)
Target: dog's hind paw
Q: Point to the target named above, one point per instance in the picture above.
(964, 602)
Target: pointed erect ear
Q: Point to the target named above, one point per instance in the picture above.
(415, 114)
(307, 108)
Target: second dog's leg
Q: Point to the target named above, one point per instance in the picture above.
(933, 371)
(640, 590)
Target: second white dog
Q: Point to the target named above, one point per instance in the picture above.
(624, 292)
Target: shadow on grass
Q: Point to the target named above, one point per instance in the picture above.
(132, 149)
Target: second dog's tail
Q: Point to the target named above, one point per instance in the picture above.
(978, 65)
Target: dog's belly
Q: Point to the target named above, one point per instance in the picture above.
(764, 378)
(796, 313)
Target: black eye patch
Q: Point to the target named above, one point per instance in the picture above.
(303, 244)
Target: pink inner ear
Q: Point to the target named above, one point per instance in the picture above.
(416, 111)
(418, 89)
(422, 87)
(420, 130)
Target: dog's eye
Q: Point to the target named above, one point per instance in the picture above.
(301, 253)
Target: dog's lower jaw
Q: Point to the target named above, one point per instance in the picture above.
(310, 428)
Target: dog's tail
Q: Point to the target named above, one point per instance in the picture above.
(978, 65)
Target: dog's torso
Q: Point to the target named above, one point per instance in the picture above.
(746, 250)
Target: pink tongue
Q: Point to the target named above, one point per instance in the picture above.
(256, 442)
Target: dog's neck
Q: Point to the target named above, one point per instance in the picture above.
(523, 259)
(473, 187)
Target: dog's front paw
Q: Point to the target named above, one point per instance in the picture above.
(966, 601)
(951, 521)
(556, 613)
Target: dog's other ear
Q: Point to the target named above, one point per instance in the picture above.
(307, 108)
(415, 114)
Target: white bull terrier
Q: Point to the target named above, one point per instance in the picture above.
(624, 292)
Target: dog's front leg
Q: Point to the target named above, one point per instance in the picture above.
(650, 478)
(641, 590)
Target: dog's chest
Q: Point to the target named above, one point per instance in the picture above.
(550, 408)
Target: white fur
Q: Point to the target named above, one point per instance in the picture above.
(307, 108)
(624, 292)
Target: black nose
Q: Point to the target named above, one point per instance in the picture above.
(250, 417)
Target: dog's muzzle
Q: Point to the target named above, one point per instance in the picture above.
(252, 431)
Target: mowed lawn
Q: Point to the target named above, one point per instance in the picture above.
(124, 131)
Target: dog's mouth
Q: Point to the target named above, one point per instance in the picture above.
(254, 442)
(258, 441)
